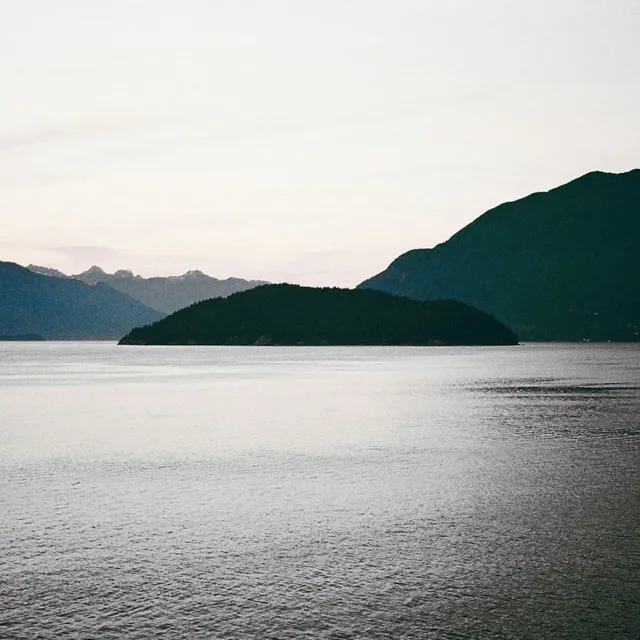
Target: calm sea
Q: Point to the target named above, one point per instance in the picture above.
(234, 492)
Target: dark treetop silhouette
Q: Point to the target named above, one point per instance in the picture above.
(287, 314)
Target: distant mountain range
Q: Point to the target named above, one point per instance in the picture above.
(286, 314)
(561, 265)
(64, 308)
(163, 294)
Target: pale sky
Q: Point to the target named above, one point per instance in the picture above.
(298, 141)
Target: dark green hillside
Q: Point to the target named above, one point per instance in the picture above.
(561, 265)
(65, 309)
(287, 314)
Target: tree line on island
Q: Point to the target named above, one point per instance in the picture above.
(286, 314)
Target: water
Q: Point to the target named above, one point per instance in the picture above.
(212, 492)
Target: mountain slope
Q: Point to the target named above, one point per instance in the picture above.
(287, 314)
(561, 265)
(165, 295)
(65, 309)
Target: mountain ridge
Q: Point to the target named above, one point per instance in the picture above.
(554, 265)
(165, 294)
(65, 309)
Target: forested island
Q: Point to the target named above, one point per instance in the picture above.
(286, 314)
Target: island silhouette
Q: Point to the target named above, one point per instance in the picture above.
(286, 314)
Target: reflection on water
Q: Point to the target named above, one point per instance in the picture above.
(319, 493)
(552, 389)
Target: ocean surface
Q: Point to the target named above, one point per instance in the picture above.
(331, 493)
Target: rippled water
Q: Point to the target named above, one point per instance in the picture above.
(211, 492)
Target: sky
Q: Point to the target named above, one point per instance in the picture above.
(297, 141)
